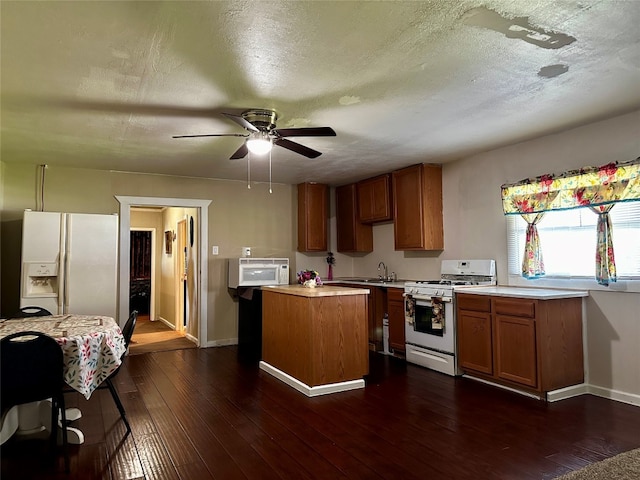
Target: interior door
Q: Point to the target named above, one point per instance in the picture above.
(182, 276)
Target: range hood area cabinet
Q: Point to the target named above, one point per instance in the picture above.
(312, 217)
(417, 208)
(353, 236)
(374, 199)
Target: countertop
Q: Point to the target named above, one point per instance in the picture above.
(372, 283)
(320, 291)
(523, 292)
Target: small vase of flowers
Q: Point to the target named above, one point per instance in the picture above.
(331, 261)
(309, 278)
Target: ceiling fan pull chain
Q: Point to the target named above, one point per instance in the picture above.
(249, 171)
(270, 191)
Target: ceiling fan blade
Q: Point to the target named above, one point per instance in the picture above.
(240, 153)
(296, 147)
(241, 121)
(212, 135)
(306, 132)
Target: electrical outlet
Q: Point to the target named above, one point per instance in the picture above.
(214, 250)
(246, 251)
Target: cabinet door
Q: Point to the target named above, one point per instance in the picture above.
(395, 310)
(516, 350)
(475, 341)
(417, 208)
(374, 199)
(352, 235)
(312, 217)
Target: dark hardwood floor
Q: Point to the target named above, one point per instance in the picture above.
(203, 414)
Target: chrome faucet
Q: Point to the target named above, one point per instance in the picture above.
(386, 276)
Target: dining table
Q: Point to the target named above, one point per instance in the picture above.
(92, 347)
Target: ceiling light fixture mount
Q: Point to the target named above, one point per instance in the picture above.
(260, 142)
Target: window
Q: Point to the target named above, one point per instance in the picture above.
(568, 242)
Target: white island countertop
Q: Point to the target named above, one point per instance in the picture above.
(524, 292)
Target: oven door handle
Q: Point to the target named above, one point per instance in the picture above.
(427, 298)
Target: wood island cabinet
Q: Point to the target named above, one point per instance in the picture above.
(395, 311)
(353, 236)
(312, 217)
(530, 344)
(374, 199)
(417, 208)
(314, 339)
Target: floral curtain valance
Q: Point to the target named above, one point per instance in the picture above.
(588, 186)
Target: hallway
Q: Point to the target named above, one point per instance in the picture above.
(155, 336)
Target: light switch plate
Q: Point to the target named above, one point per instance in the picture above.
(214, 250)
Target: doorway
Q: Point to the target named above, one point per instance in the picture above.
(201, 241)
(140, 271)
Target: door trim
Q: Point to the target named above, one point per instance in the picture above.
(126, 202)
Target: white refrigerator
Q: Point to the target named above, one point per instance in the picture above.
(70, 262)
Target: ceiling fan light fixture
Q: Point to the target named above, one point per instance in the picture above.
(259, 143)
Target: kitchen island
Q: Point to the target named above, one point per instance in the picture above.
(315, 339)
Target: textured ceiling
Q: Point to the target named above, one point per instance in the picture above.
(106, 84)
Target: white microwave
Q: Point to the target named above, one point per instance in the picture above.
(255, 272)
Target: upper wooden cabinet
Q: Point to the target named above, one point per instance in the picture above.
(374, 199)
(417, 208)
(312, 217)
(353, 235)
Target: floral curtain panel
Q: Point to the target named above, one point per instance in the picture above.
(599, 188)
(532, 262)
(605, 259)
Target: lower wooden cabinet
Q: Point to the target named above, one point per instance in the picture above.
(516, 350)
(530, 344)
(475, 345)
(395, 311)
(376, 309)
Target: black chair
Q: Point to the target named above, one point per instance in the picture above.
(127, 332)
(32, 311)
(31, 365)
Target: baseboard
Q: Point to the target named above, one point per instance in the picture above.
(188, 336)
(573, 391)
(617, 395)
(221, 343)
(306, 389)
(166, 322)
(504, 387)
(567, 392)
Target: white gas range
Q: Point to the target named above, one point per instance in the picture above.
(430, 324)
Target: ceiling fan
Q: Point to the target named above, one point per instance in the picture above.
(261, 125)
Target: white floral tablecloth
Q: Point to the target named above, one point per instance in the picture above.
(92, 345)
